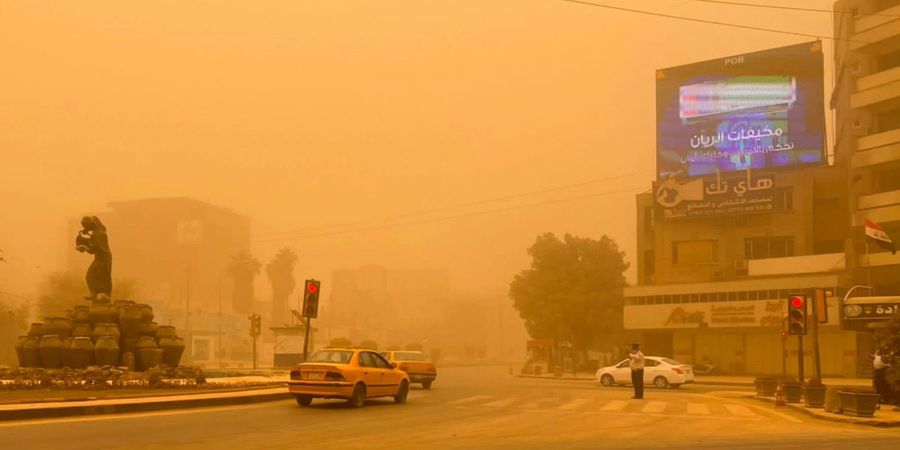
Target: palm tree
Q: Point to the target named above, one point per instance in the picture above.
(243, 268)
(281, 276)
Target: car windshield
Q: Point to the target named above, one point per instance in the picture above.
(332, 356)
(409, 356)
(672, 362)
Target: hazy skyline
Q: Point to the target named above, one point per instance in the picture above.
(302, 115)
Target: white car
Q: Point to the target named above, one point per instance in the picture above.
(658, 371)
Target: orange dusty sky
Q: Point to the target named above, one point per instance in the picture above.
(303, 114)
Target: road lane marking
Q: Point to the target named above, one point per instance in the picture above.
(470, 399)
(698, 408)
(739, 410)
(538, 402)
(615, 405)
(769, 410)
(574, 404)
(501, 403)
(654, 407)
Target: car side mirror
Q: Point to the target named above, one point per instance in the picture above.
(394, 365)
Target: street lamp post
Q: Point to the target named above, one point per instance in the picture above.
(219, 336)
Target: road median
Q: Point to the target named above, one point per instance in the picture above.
(88, 406)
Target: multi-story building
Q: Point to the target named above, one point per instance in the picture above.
(713, 282)
(866, 100)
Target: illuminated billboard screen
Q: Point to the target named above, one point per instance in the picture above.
(763, 110)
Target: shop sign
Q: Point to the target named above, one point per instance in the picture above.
(762, 313)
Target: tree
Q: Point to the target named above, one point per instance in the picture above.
(369, 344)
(888, 345)
(281, 276)
(573, 290)
(13, 321)
(62, 291)
(243, 269)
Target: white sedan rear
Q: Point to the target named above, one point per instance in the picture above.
(658, 371)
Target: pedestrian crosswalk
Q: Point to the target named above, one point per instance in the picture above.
(694, 408)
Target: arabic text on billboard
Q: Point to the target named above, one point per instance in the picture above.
(761, 110)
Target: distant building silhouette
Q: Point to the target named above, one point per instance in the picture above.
(177, 249)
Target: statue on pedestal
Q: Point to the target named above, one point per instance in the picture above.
(93, 239)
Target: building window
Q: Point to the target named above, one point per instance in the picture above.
(768, 247)
(649, 265)
(888, 120)
(888, 61)
(826, 247)
(887, 179)
(648, 221)
(885, 4)
(695, 252)
(787, 199)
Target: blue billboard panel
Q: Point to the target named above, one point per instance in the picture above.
(763, 110)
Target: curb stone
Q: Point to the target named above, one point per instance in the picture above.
(118, 406)
(833, 417)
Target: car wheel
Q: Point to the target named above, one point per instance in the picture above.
(426, 384)
(304, 400)
(358, 398)
(607, 380)
(402, 392)
(661, 382)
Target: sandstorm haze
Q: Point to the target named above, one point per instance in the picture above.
(302, 115)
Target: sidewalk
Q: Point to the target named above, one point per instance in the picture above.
(728, 380)
(886, 416)
(710, 380)
(43, 410)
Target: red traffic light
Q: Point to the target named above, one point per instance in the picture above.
(797, 302)
(312, 288)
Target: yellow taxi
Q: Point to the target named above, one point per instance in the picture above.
(419, 368)
(347, 373)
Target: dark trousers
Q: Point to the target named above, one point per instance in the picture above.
(879, 382)
(637, 380)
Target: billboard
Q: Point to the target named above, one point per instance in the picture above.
(738, 194)
(762, 110)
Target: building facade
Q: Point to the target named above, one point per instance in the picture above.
(713, 288)
(866, 101)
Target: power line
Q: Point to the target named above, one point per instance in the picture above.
(790, 8)
(706, 21)
(465, 205)
(458, 216)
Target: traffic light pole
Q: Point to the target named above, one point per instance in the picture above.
(254, 352)
(800, 357)
(306, 341)
(819, 295)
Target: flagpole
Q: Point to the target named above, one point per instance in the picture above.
(869, 265)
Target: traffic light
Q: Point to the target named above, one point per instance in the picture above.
(255, 324)
(311, 299)
(797, 309)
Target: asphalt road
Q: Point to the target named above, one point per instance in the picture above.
(477, 408)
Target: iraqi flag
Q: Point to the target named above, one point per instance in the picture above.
(877, 234)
